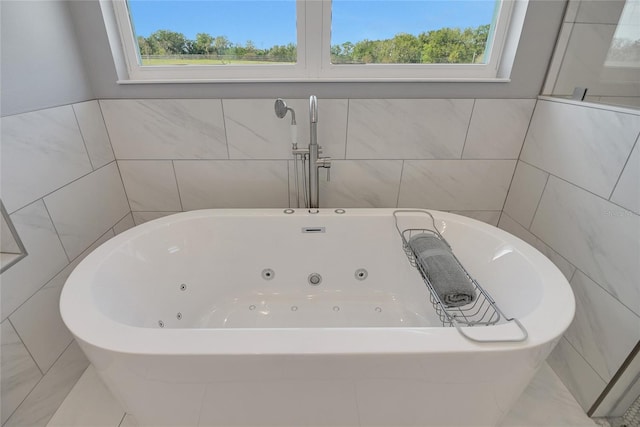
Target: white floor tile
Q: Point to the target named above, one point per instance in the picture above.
(88, 404)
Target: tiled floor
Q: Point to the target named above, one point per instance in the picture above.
(545, 403)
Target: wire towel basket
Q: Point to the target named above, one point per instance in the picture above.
(482, 311)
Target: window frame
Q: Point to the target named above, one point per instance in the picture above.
(314, 57)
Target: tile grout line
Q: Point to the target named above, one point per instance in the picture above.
(519, 159)
(576, 268)
(60, 271)
(26, 348)
(400, 184)
(224, 124)
(84, 142)
(535, 212)
(613, 190)
(106, 129)
(466, 135)
(346, 131)
(38, 383)
(175, 178)
(583, 189)
(60, 188)
(46, 208)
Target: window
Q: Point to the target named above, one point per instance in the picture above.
(315, 40)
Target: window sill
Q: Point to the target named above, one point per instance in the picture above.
(316, 80)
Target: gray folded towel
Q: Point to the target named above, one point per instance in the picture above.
(450, 282)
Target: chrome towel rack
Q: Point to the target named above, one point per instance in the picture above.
(482, 311)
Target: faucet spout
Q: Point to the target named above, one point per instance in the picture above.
(314, 190)
(313, 109)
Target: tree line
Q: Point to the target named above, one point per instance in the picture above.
(446, 45)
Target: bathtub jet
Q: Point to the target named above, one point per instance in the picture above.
(237, 318)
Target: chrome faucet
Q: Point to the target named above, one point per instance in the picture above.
(311, 187)
(315, 161)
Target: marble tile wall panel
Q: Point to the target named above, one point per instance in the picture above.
(142, 217)
(455, 184)
(254, 131)
(580, 378)
(407, 128)
(41, 151)
(627, 191)
(166, 128)
(525, 192)
(233, 183)
(85, 209)
(596, 236)
(38, 320)
(586, 146)
(498, 128)
(360, 184)
(46, 257)
(94, 133)
(38, 408)
(603, 331)
(490, 217)
(19, 372)
(510, 225)
(150, 185)
(124, 224)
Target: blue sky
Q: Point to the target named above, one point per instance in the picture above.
(268, 22)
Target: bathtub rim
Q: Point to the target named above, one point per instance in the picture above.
(96, 329)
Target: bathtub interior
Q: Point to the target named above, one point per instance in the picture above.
(253, 271)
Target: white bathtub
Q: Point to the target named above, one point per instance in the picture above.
(208, 318)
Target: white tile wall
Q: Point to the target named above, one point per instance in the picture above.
(94, 133)
(124, 224)
(232, 183)
(407, 128)
(582, 223)
(38, 320)
(46, 257)
(43, 143)
(595, 235)
(360, 184)
(455, 184)
(490, 217)
(627, 192)
(62, 155)
(85, 209)
(254, 131)
(19, 372)
(498, 128)
(166, 128)
(150, 185)
(586, 146)
(525, 192)
(142, 217)
(580, 378)
(510, 225)
(604, 331)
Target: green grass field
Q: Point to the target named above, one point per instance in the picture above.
(174, 61)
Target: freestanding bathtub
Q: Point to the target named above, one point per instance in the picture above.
(281, 318)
